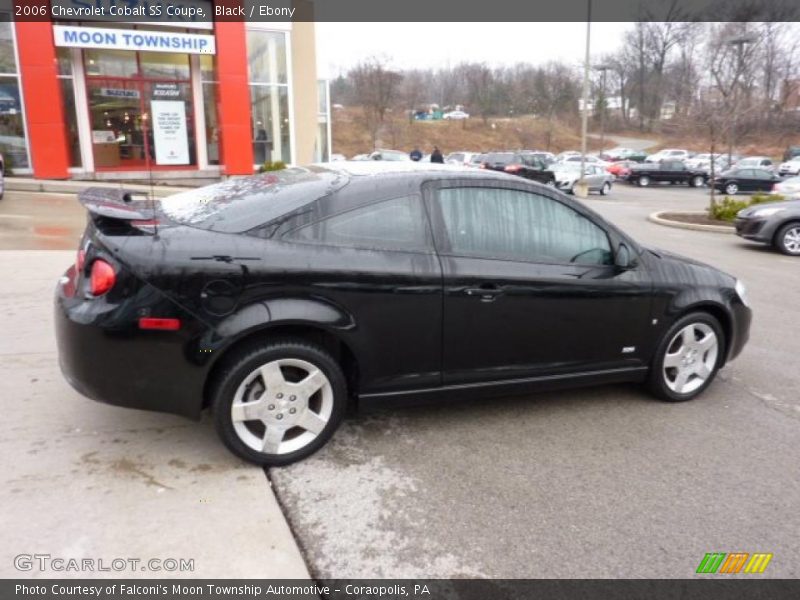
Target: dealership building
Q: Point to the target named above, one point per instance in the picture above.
(177, 99)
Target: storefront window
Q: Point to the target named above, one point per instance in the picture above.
(270, 112)
(110, 63)
(8, 63)
(12, 127)
(266, 55)
(164, 65)
(269, 96)
(321, 148)
(208, 75)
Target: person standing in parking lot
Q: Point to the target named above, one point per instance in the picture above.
(416, 154)
(436, 155)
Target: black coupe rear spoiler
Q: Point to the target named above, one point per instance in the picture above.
(116, 203)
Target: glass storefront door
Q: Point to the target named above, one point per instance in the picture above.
(140, 121)
(119, 128)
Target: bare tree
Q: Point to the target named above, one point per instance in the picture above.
(374, 88)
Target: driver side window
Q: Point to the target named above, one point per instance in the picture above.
(517, 225)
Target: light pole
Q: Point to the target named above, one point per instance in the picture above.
(739, 42)
(582, 188)
(603, 69)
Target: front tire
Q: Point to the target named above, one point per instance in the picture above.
(697, 181)
(787, 240)
(731, 189)
(606, 189)
(688, 358)
(279, 402)
(644, 181)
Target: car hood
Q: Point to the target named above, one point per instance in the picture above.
(669, 262)
(792, 204)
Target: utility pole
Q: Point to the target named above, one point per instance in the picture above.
(582, 187)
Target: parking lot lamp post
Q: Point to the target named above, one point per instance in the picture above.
(739, 42)
(603, 69)
(582, 188)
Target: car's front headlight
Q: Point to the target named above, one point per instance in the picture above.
(741, 291)
(766, 212)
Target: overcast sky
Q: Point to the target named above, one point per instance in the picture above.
(423, 45)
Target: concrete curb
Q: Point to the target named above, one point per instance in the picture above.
(25, 184)
(657, 218)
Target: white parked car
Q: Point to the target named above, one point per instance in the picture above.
(459, 158)
(756, 162)
(668, 154)
(790, 167)
(455, 115)
(788, 188)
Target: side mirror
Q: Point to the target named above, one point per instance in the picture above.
(622, 258)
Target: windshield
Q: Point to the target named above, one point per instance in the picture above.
(242, 203)
(749, 162)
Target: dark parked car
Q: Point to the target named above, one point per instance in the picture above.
(745, 180)
(774, 223)
(672, 171)
(522, 164)
(277, 299)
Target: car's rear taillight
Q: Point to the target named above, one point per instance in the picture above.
(774, 187)
(102, 277)
(482, 165)
(512, 168)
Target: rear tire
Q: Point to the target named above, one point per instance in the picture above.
(731, 189)
(687, 358)
(787, 240)
(697, 181)
(643, 181)
(279, 402)
(606, 189)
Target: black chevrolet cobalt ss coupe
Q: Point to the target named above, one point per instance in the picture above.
(277, 299)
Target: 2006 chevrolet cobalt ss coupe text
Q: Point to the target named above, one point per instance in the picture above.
(277, 299)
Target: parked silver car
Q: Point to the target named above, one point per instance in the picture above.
(774, 223)
(567, 175)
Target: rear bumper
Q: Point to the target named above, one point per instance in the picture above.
(105, 357)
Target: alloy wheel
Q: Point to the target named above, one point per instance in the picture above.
(644, 181)
(731, 189)
(691, 358)
(282, 406)
(791, 240)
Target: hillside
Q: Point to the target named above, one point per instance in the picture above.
(351, 136)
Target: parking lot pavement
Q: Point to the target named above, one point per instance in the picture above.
(602, 482)
(85, 480)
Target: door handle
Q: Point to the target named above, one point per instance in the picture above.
(486, 292)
